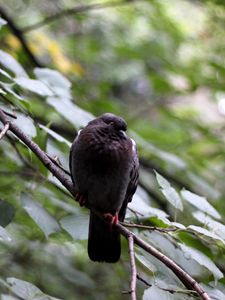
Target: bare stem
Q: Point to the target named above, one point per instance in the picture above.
(133, 280)
(4, 130)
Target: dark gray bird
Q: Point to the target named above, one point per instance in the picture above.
(104, 168)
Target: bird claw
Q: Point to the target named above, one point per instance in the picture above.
(81, 199)
(112, 219)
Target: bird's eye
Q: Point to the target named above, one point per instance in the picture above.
(122, 134)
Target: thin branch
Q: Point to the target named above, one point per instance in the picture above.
(185, 278)
(133, 225)
(4, 130)
(74, 10)
(56, 161)
(19, 34)
(133, 280)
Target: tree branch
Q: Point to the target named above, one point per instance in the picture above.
(74, 10)
(4, 130)
(185, 278)
(133, 268)
(19, 34)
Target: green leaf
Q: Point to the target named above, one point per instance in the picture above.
(206, 233)
(169, 192)
(2, 22)
(27, 290)
(214, 226)
(76, 226)
(70, 111)
(7, 212)
(155, 293)
(34, 85)
(2, 92)
(4, 73)
(55, 80)
(201, 203)
(26, 124)
(56, 136)
(11, 64)
(4, 235)
(40, 216)
(202, 259)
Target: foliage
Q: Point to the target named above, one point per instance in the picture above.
(164, 72)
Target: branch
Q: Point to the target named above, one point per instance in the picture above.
(19, 34)
(74, 10)
(133, 267)
(185, 278)
(4, 130)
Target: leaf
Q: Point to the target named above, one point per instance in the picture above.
(55, 80)
(2, 22)
(34, 85)
(11, 64)
(4, 236)
(201, 203)
(27, 290)
(4, 73)
(26, 124)
(142, 207)
(155, 293)
(56, 136)
(214, 226)
(76, 226)
(169, 192)
(206, 233)
(70, 111)
(145, 262)
(7, 212)
(202, 259)
(169, 158)
(40, 216)
(2, 92)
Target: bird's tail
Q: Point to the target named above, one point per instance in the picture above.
(103, 241)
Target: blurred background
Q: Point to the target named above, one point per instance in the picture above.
(159, 64)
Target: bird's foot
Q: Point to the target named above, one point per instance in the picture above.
(81, 199)
(112, 219)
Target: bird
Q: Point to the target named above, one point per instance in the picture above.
(104, 169)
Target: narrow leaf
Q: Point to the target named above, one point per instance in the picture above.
(2, 22)
(70, 111)
(11, 64)
(202, 259)
(58, 83)
(76, 226)
(34, 85)
(4, 236)
(40, 216)
(27, 290)
(169, 192)
(201, 203)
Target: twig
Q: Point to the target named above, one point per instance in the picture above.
(4, 130)
(133, 225)
(133, 268)
(19, 34)
(55, 160)
(185, 278)
(71, 11)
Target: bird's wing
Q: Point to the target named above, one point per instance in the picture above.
(132, 186)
